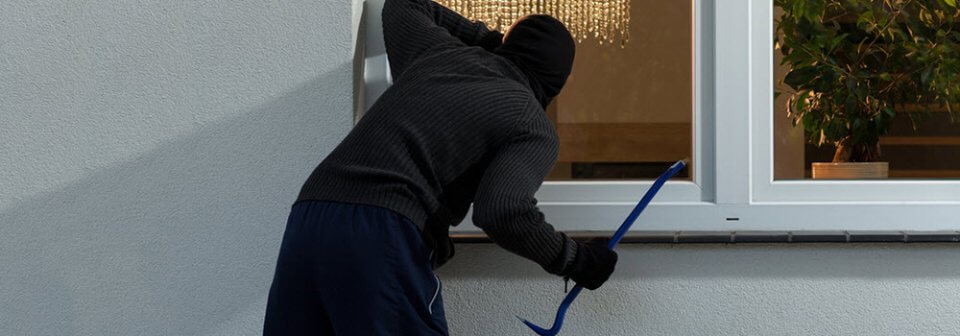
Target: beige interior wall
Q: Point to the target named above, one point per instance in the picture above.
(788, 147)
(650, 80)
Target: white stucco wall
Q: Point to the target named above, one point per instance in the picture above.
(149, 153)
(719, 290)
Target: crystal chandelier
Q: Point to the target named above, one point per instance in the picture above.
(607, 21)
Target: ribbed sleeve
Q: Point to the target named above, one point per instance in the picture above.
(505, 206)
(412, 27)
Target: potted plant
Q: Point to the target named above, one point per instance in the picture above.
(855, 65)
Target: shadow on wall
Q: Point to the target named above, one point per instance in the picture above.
(177, 241)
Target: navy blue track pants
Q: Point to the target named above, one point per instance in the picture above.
(352, 269)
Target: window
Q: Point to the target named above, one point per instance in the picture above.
(873, 84)
(768, 189)
(645, 126)
(751, 166)
(614, 126)
(838, 204)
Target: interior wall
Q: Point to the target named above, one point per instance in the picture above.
(149, 154)
(788, 146)
(649, 80)
(627, 112)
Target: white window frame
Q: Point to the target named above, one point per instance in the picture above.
(891, 205)
(766, 189)
(732, 187)
(602, 205)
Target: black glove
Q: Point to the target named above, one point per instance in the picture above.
(593, 263)
(491, 41)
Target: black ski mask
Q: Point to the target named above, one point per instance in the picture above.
(543, 49)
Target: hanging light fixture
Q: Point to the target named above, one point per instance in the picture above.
(607, 21)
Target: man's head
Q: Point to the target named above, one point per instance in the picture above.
(507, 32)
(542, 47)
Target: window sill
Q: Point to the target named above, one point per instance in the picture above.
(748, 237)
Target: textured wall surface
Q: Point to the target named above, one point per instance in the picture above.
(717, 290)
(149, 153)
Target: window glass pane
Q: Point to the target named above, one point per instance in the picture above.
(866, 89)
(627, 113)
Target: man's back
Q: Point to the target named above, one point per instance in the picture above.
(463, 123)
(444, 117)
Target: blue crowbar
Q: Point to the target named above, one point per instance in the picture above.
(562, 310)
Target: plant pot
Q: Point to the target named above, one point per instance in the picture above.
(850, 170)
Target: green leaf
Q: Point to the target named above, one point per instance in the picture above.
(798, 77)
(925, 76)
(952, 3)
(800, 102)
(798, 9)
(867, 21)
(837, 39)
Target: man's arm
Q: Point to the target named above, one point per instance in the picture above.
(471, 33)
(506, 210)
(505, 207)
(410, 27)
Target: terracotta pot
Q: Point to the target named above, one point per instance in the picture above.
(850, 170)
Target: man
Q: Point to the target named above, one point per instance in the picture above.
(463, 123)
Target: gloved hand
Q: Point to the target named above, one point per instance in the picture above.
(593, 263)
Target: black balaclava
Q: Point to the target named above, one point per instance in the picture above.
(543, 49)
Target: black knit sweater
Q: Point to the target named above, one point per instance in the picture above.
(460, 125)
